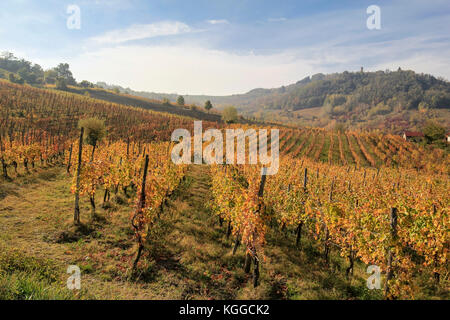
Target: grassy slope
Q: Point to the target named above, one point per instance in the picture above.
(3, 73)
(188, 256)
(146, 103)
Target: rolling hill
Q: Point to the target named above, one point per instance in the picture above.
(145, 103)
(386, 100)
(390, 101)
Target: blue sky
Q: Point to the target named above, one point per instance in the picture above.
(226, 46)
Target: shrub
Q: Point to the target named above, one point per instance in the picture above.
(229, 114)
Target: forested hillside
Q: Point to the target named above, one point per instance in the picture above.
(387, 100)
(344, 92)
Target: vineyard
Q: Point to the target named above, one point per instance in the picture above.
(361, 150)
(390, 218)
(142, 227)
(27, 113)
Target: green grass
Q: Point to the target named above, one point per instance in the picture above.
(28, 278)
(323, 155)
(23, 286)
(361, 156)
(346, 149)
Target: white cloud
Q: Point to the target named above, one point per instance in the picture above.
(220, 21)
(142, 31)
(189, 69)
(195, 69)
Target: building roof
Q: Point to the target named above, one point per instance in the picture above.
(413, 134)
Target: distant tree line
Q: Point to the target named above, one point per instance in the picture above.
(342, 92)
(22, 71)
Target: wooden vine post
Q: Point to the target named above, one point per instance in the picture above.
(300, 224)
(138, 215)
(105, 196)
(327, 233)
(76, 215)
(436, 274)
(229, 230)
(248, 262)
(4, 165)
(128, 147)
(255, 256)
(349, 270)
(5, 169)
(69, 163)
(305, 179)
(236, 243)
(390, 268)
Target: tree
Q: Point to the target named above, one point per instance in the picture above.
(7, 56)
(208, 105)
(38, 71)
(328, 108)
(64, 72)
(95, 131)
(28, 72)
(229, 114)
(339, 127)
(12, 78)
(26, 75)
(86, 84)
(180, 101)
(116, 90)
(61, 84)
(433, 132)
(50, 76)
(335, 99)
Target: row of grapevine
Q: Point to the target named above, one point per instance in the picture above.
(392, 218)
(362, 149)
(352, 211)
(25, 109)
(237, 198)
(29, 150)
(118, 166)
